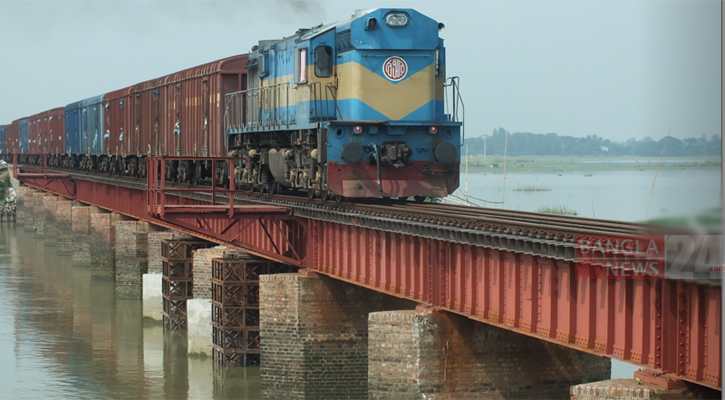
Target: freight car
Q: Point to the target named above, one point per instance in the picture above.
(3, 151)
(357, 108)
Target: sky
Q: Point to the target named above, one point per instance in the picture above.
(615, 69)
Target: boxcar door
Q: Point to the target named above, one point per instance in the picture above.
(178, 101)
(205, 104)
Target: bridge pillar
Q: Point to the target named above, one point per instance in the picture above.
(36, 214)
(423, 353)
(626, 389)
(130, 257)
(102, 238)
(24, 199)
(63, 218)
(314, 336)
(81, 233)
(199, 321)
(50, 206)
(153, 301)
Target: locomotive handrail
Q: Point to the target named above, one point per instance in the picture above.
(334, 100)
(246, 109)
(457, 103)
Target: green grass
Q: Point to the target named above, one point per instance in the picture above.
(558, 210)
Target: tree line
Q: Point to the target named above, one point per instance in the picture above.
(551, 144)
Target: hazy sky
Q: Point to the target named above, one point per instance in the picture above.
(616, 69)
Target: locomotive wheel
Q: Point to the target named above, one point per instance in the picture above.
(324, 194)
(311, 193)
(274, 188)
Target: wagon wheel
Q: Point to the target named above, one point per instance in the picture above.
(324, 194)
(311, 193)
(339, 198)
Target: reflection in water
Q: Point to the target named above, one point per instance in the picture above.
(64, 335)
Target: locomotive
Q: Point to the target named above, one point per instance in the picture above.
(358, 108)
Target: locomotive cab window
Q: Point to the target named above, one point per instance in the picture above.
(323, 61)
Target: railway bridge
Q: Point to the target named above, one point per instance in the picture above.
(391, 300)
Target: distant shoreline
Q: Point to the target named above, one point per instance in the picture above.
(562, 163)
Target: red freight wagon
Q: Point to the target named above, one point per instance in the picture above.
(145, 118)
(46, 132)
(12, 138)
(118, 136)
(190, 108)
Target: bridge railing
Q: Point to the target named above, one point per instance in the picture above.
(157, 192)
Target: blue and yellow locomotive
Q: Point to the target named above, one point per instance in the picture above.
(355, 109)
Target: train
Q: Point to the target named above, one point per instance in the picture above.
(354, 109)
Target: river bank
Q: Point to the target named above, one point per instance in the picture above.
(477, 163)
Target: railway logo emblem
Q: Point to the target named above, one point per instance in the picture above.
(395, 68)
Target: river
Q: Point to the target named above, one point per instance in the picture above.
(614, 195)
(64, 335)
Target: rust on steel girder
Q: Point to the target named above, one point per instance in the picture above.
(668, 326)
(39, 177)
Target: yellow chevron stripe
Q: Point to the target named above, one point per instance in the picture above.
(395, 101)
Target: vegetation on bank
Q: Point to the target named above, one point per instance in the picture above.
(711, 220)
(584, 164)
(532, 188)
(558, 210)
(4, 184)
(551, 144)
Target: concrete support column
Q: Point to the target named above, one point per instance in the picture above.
(131, 257)
(50, 233)
(427, 354)
(314, 336)
(63, 217)
(102, 238)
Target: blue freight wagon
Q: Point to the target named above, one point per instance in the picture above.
(23, 145)
(84, 131)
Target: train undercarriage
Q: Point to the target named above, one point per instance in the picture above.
(267, 162)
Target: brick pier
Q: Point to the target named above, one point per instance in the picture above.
(314, 335)
(432, 355)
(102, 240)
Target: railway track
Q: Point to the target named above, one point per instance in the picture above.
(520, 231)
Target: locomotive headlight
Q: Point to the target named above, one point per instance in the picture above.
(396, 20)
